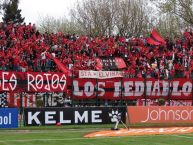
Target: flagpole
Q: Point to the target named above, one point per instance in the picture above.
(192, 92)
(97, 101)
(145, 92)
(21, 107)
(169, 91)
(121, 91)
(72, 87)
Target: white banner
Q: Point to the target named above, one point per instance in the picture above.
(150, 102)
(100, 74)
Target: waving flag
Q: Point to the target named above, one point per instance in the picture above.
(152, 41)
(58, 63)
(187, 35)
(110, 63)
(155, 38)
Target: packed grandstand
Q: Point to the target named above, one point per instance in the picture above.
(24, 49)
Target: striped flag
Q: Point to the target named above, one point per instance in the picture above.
(155, 38)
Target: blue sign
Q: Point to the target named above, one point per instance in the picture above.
(8, 117)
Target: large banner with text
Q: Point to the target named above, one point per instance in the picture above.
(77, 115)
(89, 88)
(100, 74)
(32, 82)
(132, 88)
(160, 114)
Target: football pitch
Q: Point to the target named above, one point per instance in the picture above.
(73, 135)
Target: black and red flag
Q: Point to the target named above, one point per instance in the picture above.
(110, 63)
(59, 64)
(187, 35)
(155, 38)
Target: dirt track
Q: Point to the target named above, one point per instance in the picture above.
(141, 131)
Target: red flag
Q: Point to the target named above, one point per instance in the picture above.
(120, 62)
(99, 65)
(110, 63)
(187, 35)
(58, 63)
(152, 42)
(157, 36)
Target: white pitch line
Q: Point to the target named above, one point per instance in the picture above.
(183, 136)
(82, 138)
(47, 131)
(46, 139)
(68, 139)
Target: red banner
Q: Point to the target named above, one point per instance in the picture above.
(112, 89)
(92, 88)
(32, 82)
(180, 89)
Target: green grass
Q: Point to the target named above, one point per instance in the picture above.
(73, 135)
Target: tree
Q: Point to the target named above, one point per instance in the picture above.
(107, 17)
(51, 25)
(47, 24)
(11, 12)
(180, 8)
(2, 2)
(169, 25)
(95, 17)
(132, 17)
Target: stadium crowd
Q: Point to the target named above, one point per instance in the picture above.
(23, 48)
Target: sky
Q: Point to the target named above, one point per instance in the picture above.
(33, 10)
